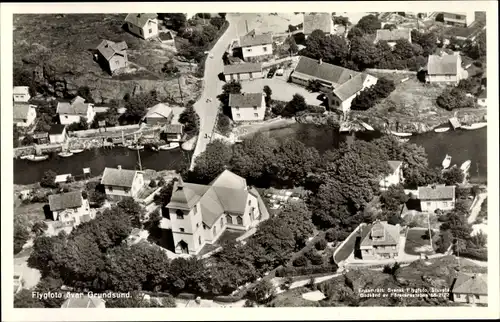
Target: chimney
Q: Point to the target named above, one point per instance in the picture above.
(119, 167)
(350, 76)
(320, 61)
(197, 300)
(138, 15)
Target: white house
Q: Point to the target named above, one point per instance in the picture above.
(24, 114)
(247, 106)
(144, 25)
(445, 68)
(21, 93)
(199, 214)
(470, 288)
(381, 242)
(436, 197)
(70, 208)
(120, 183)
(173, 132)
(460, 19)
(74, 110)
(255, 46)
(239, 72)
(159, 114)
(394, 178)
(112, 56)
(57, 133)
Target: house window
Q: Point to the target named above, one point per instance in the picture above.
(237, 108)
(197, 225)
(445, 204)
(428, 203)
(249, 49)
(249, 202)
(110, 188)
(264, 48)
(476, 296)
(195, 209)
(150, 31)
(229, 219)
(180, 214)
(221, 223)
(237, 115)
(458, 17)
(65, 116)
(127, 190)
(255, 107)
(239, 220)
(181, 229)
(215, 230)
(129, 25)
(140, 31)
(199, 240)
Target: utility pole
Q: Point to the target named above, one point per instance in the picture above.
(429, 224)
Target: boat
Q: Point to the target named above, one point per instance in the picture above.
(169, 146)
(75, 151)
(65, 154)
(154, 148)
(474, 126)
(441, 129)
(403, 140)
(37, 158)
(24, 157)
(465, 166)
(446, 162)
(136, 147)
(401, 134)
(366, 126)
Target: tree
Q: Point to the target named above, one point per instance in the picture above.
(218, 22)
(297, 218)
(268, 91)
(340, 20)
(297, 104)
(163, 196)
(453, 98)
(49, 285)
(453, 176)
(364, 100)
(190, 119)
(42, 256)
(169, 68)
(383, 88)
(15, 135)
(403, 49)
(428, 41)
(292, 45)
(369, 24)
(25, 299)
(224, 124)
(393, 197)
(313, 85)
(136, 107)
(364, 53)
(49, 179)
(133, 210)
(223, 15)
(84, 92)
(211, 162)
(355, 32)
(262, 292)
(21, 236)
(300, 261)
(39, 228)
(390, 26)
(177, 20)
(294, 162)
(321, 244)
(187, 275)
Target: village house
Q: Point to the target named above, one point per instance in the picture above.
(436, 197)
(460, 19)
(445, 68)
(57, 133)
(199, 214)
(21, 93)
(173, 132)
(119, 183)
(24, 114)
(70, 208)
(83, 302)
(159, 114)
(395, 177)
(391, 36)
(381, 242)
(481, 98)
(144, 25)
(470, 288)
(317, 21)
(247, 106)
(255, 46)
(339, 84)
(112, 56)
(239, 72)
(75, 110)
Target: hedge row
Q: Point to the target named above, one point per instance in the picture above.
(298, 271)
(475, 253)
(227, 298)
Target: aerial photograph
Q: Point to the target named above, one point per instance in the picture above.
(273, 159)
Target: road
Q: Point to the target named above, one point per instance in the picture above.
(212, 86)
(476, 208)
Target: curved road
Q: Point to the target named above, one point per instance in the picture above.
(212, 85)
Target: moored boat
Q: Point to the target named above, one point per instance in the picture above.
(37, 158)
(401, 134)
(474, 126)
(136, 147)
(446, 162)
(403, 140)
(442, 129)
(24, 157)
(465, 166)
(75, 151)
(65, 154)
(366, 126)
(169, 146)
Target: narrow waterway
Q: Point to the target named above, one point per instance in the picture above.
(462, 145)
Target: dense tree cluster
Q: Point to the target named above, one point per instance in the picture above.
(370, 96)
(137, 107)
(453, 98)
(190, 119)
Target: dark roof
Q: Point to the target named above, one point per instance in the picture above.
(66, 200)
(393, 35)
(173, 128)
(82, 302)
(57, 129)
(442, 65)
(140, 19)
(350, 87)
(333, 73)
(242, 68)
(382, 229)
(166, 35)
(436, 193)
(252, 39)
(109, 48)
(118, 177)
(394, 164)
(314, 21)
(76, 106)
(245, 100)
(471, 284)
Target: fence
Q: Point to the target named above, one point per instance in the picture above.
(390, 71)
(108, 130)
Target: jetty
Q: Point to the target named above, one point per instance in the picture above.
(455, 124)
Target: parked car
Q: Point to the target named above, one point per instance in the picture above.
(280, 72)
(270, 74)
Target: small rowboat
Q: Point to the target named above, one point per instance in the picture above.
(65, 154)
(366, 126)
(75, 151)
(442, 129)
(446, 162)
(169, 146)
(465, 166)
(24, 157)
(37, 158)
(136, 147)
(401, 134)
(474, 126)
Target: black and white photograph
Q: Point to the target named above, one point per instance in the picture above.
(250, 159)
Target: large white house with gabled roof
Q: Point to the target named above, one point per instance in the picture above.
(199, 214)
(144, 25)
(120, 183)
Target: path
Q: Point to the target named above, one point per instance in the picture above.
(476, 207)
(212, 86)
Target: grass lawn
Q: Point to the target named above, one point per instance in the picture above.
(416, 244)
(227, 235)
(32, 212)
(293, 298)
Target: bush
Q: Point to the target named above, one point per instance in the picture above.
(315, 258)
(186, 296)
(475, 253)
(161, 182)
(48, 179)
(227, 299)
(387, 269)
(290, 271)
(321, 244)
(152, 184)
(300, 261)
(331, 235)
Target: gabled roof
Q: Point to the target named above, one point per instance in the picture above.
(393, 35)
(66, 200)
(242, 68)
(186, 195)
(57, 129)
(140, 19)
(76, 106)
(20, 90)
(159, 110)
(229, 179)
(390, 234)
(82, 302)
(118, 177)
(314, 21)
(252, 39)
(173, 128)
(442, 65)
(324, 71)
(350, 87)
(245, 100)
(394, 164)
(109, 48)
(21, 111)
(436, 193)
(471, 284)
